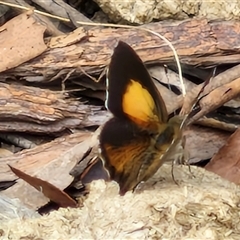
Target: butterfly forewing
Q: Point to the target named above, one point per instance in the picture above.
(128, 81)
(129, 152)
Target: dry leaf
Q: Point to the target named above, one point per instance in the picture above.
(209, 139)
(169, 77)
(226, 162)
(49, 190)
(21, 39)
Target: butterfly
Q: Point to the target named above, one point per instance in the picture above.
(139, 137)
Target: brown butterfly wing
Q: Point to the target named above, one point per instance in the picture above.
(130, 154)
(121, 144)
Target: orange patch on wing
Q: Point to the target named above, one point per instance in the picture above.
(139, 105)
(122, 157)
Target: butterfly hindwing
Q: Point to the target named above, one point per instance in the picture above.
(128, 152)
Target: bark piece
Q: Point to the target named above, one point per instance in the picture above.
(21, 39)
(36, 110)
(5, 152)
(17, 140)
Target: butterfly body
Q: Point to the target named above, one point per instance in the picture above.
(138, 139)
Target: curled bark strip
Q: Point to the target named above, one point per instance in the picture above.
(217, 98)
(223, 78)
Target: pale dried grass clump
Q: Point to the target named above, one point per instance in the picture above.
(200, 207)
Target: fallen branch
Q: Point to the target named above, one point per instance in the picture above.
(36, 110)
(197, 42)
